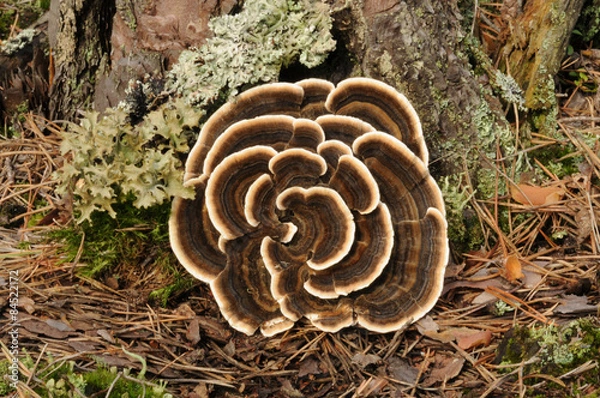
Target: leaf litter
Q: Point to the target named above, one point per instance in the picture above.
(543, 271)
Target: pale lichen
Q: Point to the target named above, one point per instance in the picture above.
(457, 199)
(252, 46)
(132, 152)
(18, 42)
(552, 349)
(509, 90)
(110, 161)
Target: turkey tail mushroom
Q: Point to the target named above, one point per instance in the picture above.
(314, 201)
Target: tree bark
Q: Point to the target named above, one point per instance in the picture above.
(81, 51)
(418, 47)
(536, 46)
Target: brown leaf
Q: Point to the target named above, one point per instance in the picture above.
(572, 304)
(60, 325)
(39, 327)
(532, 279)
(193, 332)
(289, 391)
(477, 338)
(445, 368)
(229, 348)
(112, 282)
(484, 298)
(106, 335)
(364, 360)
(529, 195)
(512, 269)
(81, 346)
(185, 310)
(427, 325)
(309, 367)
(214, 329)
(399, 369)
(200, 391)
(483, 285)
(27, 304)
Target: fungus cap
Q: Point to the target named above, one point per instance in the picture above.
(314, 201)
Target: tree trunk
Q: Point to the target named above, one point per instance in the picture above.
(537, 45)
(82, 49)
(418, 47)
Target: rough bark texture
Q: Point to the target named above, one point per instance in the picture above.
(82, 48)
(417, 47)
(147, 38)
(538, 40)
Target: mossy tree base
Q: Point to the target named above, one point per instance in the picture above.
(537, 45)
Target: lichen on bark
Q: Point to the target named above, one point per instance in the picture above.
(82, 42)
(463, 123)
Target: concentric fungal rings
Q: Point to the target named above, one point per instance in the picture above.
(314, 200)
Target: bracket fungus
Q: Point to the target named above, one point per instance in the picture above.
(314, 200)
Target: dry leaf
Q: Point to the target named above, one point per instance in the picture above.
(399, 369)
(572, 304)
(512, 269)
(185, 310)
(289, 391)
(445, 368)
(200, 391)
(529, 195)
(106, 335)
(427, 325)
(39, 327)
(477, 338)
(229, 348)
(365, 360)
(81, 346)
(484, 298)
(60, 325)
(532, 279)
(309, 367)
(27, 304)
(193, 332)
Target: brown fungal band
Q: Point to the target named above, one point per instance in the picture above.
(315, 201)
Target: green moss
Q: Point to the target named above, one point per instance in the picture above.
(108, 242)
(163, 295)
(102, 378)
(552, 349)
(464, 230)
(6, 385)
(27, 11)
(62, 379)
(588, 25)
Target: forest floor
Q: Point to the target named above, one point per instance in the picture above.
(517, 318)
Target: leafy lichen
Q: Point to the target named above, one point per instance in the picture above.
(62, 379)
(252, 46)
(552, 349)
(110, 161)
(18, 42)
(509, 90)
